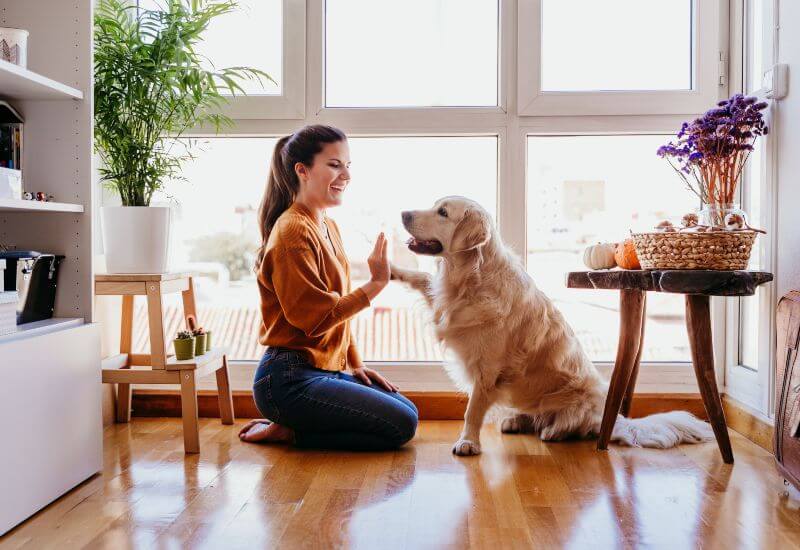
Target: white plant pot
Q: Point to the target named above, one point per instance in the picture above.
(136, 238)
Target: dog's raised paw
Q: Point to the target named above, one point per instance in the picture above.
(465, 447)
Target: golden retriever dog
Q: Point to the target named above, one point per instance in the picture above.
(514, 347)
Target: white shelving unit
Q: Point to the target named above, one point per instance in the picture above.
(19, 83)
(40, 328)
(51, 370)
(16, 205)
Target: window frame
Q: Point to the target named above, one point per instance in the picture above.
(512, 127)
(709, 44)
(290, 104)
(755, 387)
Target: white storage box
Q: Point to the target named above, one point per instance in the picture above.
(2, 274)
(8, 312)
(10, 184)
(14, 46)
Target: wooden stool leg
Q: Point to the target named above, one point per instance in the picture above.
(189, 305)
(224, 393)
(125, 343)
(630, 329)
(155, 316)
(191, 426)
(698, 324)
(627, 399)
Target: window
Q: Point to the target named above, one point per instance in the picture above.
(264, 34)
(753, 44)
(620, 57)
(575, 203)
(421, 87)
(593, 51)
(749, 308)
(749, 376)
(415, 53)
(753, 337)
(390, 175)
(252, 36)
(215, 232)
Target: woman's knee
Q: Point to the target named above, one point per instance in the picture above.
(406, 424)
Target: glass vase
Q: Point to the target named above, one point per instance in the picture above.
(713, 215)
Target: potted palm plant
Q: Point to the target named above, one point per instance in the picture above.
(150, 86)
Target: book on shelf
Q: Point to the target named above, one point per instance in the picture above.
(11, 137)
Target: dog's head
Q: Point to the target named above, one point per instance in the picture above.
(454, 224)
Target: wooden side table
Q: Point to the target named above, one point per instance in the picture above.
(157, 367)
(697, 286)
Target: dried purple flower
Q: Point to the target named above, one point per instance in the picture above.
(710, 152)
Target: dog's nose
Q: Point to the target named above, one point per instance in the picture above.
(407, 217)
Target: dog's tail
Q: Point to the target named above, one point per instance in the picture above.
(661, 431)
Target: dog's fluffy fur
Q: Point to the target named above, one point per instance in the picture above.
(514, 347)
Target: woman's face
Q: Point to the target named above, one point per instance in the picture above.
(323, 183)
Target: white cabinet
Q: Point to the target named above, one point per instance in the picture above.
(50, 421)
(50, 412)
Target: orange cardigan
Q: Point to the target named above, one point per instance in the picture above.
(306, 302)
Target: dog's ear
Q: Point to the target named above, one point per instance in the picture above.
(473, 231)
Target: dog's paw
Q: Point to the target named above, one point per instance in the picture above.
(395, 273)
(465, 447)
(511, 425)
(549, 433)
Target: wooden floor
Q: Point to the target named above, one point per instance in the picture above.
(521, 493)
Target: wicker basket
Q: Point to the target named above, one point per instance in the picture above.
(723, 250)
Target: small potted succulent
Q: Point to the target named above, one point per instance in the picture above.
(184, 345)
(199, 333)
(200, 340)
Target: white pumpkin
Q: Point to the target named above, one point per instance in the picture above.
(600, 256)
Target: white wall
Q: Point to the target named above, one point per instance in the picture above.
(787, 127)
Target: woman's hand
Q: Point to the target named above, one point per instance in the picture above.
(379, 268)
(379, 261)
(367, 376)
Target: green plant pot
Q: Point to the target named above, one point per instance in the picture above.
(208, 340)
(200, 344)
(184, 349)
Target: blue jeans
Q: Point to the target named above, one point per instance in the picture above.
(330, 410)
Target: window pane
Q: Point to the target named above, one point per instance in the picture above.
(586, 189)
(251, 36)
(419, 53)
(754, 43)
(406, 173)
(749, 307)
(616, 45)
(215, 233)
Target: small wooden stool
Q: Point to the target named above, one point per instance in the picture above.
(158, 368)
(697, 285)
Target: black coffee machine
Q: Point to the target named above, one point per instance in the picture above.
(33, 275)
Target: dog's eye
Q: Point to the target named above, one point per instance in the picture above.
(443, 212)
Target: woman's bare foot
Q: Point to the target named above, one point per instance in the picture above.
(264, 431)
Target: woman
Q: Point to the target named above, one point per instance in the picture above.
(306, 305)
